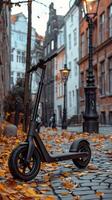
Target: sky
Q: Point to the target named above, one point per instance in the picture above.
(40, 12)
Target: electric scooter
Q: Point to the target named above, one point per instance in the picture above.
(24, 161)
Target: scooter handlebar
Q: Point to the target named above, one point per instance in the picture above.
(35, 67)
(41, 64)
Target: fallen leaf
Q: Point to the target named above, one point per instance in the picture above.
(1, 187)
(2, 172)
(64, 193)
(79, 174)
(76, 198)
(50, 198)
(19, 187)
(99, 194)
(69, 185)
(92, 167)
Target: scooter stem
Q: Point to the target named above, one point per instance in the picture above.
(31, 148)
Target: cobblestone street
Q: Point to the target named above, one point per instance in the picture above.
(90, 184)
(63, 180)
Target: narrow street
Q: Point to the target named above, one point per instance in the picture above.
(63, 180)
(55, 72)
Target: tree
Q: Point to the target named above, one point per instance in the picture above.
(13, 102)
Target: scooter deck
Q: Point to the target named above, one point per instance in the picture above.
(68, 156)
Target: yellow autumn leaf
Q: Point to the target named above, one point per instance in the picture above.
(50, 198)
(19, 187)
(64, 193)
(79, 174)
(2, 172)
(30, 192)
(1, 187)
(99, 194)
(17, 141)
(11, 197)
(69, 185)
(66, 174)
(76, 198)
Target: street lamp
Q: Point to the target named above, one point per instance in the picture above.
(90, 124)
(64, 77)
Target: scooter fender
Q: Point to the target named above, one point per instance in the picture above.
(24, 143)
(75, 144)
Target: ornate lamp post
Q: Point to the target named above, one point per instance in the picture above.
(90, 124)
(64, 77)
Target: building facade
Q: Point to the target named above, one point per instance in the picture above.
(18, 49)
(4, 53)
(102, 60)
(50, 49)
(59, 64)
(71, 59)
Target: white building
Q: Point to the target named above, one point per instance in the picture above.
(67, 53)
(18, 49)
(72, 56)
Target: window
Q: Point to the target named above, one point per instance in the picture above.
(49, 28)
(87, 40)
(48, 48)
(110, 75)
(52, 44)
(82, 45)
(70, 67)
(110, 117)
(102, 27)
(110, 21)
(103, 117)
(69, 39)
(102, 78)
(73, 97)
(23, 57)
(18, 56)
(22, 75)
(82, 79)
(60, 38)
(59, 113)
(12, 57)
(75, 67)
(12, 78)
(41, 43)
(21, 37)
(70, 100)
(75, 36)
(72, 18)
(18, 75)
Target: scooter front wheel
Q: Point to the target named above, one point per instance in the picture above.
(19, 168)
(81, 146)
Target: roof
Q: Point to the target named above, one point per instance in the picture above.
(40, 37)
(15, 17)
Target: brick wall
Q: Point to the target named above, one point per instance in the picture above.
(102, 52)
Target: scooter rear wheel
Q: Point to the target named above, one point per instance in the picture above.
(19, 168)
(83, 161)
